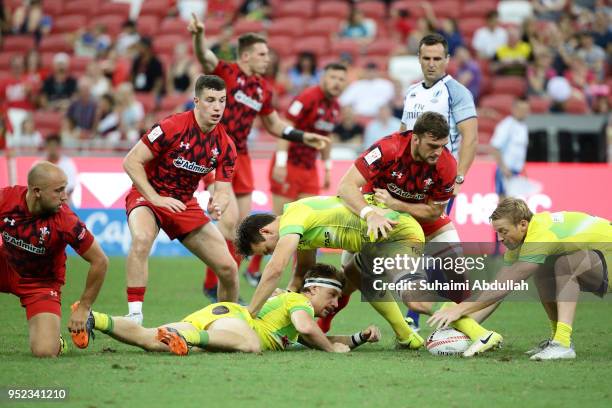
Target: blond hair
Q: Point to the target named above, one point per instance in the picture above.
(513, 209)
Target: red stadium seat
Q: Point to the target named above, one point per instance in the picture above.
(516, 86)
(171, 102)
(318, 45)
(478, 8)
(55, 43)
(158, 8)
(244, 26)
(147, 100)
(214, 26)
(175, 25)
(111, 7)
(346, 46)
(17, 43)
(290, 26)
(283, 46)
(323, 26)
(296, 8)
(446, 8)
(83, 8)
(338, 9)
(487, 124)
(469, 25)
(112, 22)
(499, 103)
(538, 104)
(5, 60)
(148, 25)
(69, 24)
(576, 106)
(48, 119)
(164, 44)
(79, 64)
(372, 9)
(53, 8)
(382, 48)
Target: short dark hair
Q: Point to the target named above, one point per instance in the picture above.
(246, 41)
(336, 66)
(433, 39)
(492, 14)
(53, 137)
(325, 271)
(248, 233)
(208, 82)
(433, 123)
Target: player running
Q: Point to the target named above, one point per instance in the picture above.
(248, 95)
(564, 251)
(166, 166)
(285, 319)
(36, 226)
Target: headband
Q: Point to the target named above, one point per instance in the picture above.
(324, 282)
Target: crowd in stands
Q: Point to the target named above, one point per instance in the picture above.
(99, 74)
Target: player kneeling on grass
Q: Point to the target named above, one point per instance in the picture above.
(566, 252)
(284, 320)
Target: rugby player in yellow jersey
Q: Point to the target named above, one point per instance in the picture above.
(564, 251)
(284, 319)
(325, 222)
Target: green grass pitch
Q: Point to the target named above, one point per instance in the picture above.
(109, 374)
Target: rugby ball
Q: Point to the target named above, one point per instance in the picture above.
(447, 342)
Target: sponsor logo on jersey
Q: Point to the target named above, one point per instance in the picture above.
(84, 231)
(181, 163)
(19, 243)
(411, 115)
(395, 189)
(248, 101)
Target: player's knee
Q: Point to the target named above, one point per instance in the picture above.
(227, 271)
(141, 243)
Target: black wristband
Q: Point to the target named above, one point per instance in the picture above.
(293, 135)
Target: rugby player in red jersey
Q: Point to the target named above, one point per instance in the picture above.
(166, 166)
(36, 226)
(248, 95)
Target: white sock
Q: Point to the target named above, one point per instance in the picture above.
(135, 307)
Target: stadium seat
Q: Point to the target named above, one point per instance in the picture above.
(111, 7)
(55, 43)
(148, 101)
(53, 8)
(499, 103)
(83, 8)
(318, 45)
(164, 44)
(158, 8)
(446, 8)
(405, 68)
(175, 25)
(372, 9)
(296, 8)
(539, 104)
(69, 24)
(148, 25)
(487, 124)
(112, 22)
(576, 106)
(478, 8)
(244, 26)
(17, 43)
(381, 47)
(469, 25)
(289, 26)
(172, 101)
(323, 26)
(78, 65)
(282, 45)
(48, 119)
(338, 9)
(514, 11)
(511, 85)
(5, 60)
(346, 46)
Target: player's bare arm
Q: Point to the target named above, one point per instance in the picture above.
(467, 151)
(220, 199)
(327, 163)
(370, 334)
(312, 334)
(425, 212)
(349, 192)
(511, 274)
(283, 252)
(306, 259)
(205, 56)
(279, 172)
(134, 165)
(98, 265)
(279, 128)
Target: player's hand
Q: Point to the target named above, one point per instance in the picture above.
(340, 348)
(169, 203)
(314, 140)
(371, 334)
(327, 179)
(78, 318)
(379, 225)
(457, 189)
(214, 209)
(195, 25)
(384, 197)
(279, 174)
(443, 318)
(506, 172)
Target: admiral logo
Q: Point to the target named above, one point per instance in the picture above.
(248, 101)
(181, 163)
(324, 125)
(19, 243)
(9, 221)
(395, 189)
(53, 293)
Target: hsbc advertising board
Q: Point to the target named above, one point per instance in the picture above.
(99, 196)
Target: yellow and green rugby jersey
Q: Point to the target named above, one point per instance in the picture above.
(325, 222)
(273, 323)
(560, 233)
